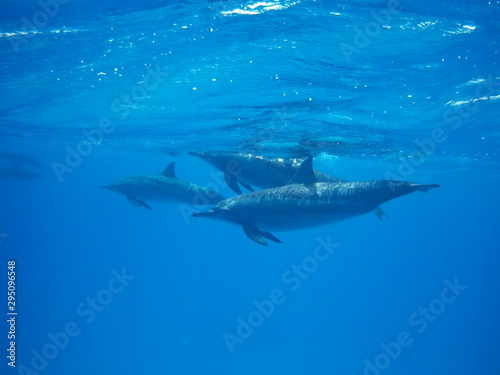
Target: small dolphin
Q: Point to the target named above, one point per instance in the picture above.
(306, 203)
(163, 187)
(250, 169)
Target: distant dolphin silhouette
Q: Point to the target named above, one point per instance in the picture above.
(306, 203)
(18, 159)
(256, 170)
(164, 187)
(13, 167)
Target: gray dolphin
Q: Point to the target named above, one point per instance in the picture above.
(164, 187)
(256, 170)
(306, 203)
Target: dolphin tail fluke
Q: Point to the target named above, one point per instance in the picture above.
(138, 203)
(425, 188)
(257, 235)
(380, 213)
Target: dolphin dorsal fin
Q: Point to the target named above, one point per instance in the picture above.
(305, 173)
(169, 171)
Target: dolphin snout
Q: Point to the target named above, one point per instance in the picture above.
(210, 213)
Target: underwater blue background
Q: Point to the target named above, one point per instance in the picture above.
(408, 90)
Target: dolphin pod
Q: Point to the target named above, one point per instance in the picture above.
(299, 196)
(165, 187)
(305, 202)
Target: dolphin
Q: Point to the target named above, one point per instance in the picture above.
(20, 159)
(305, 202)
(256, 170)
(163, 187)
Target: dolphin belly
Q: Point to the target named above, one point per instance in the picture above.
(157, 196)
(292, 221)
(283, 214)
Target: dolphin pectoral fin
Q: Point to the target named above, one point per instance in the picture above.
(254, 234)
(145, 205)
(380, 213)
(257, 235)
(246, 186)
(425, 188)
(232, 182)
(137, 202)
(269, 236)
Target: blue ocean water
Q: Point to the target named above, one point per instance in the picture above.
(97, 91)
